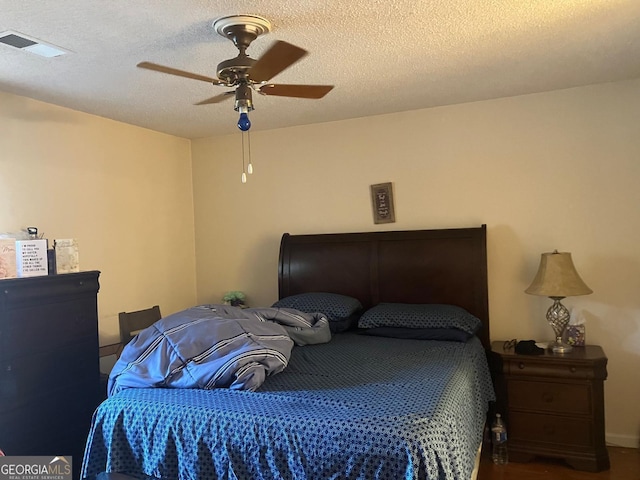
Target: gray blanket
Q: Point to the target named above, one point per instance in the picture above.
(213, 346)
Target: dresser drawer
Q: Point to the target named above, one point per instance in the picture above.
(47, 428)
(25, 291)
(31, 328)
(550, 397)
(533, 368)
(528, 428)
(38, 374)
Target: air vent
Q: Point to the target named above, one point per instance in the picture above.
(31, 45)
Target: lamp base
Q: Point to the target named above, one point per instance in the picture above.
(558, 317)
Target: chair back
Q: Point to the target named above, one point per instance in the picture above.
(132, 322)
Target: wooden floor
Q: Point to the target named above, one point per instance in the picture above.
(625, 465)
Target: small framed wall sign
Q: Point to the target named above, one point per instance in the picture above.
(382, 200)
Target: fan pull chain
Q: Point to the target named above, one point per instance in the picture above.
(246, 158)
(250, 166)
(244, 175)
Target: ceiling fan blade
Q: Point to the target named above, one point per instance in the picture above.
(280, 56)
(299, 91)
(217, 99)
(180, 73)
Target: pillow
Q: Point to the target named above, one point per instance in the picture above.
(444, 334)
(344, 324)
(408, 315)
(341, 310)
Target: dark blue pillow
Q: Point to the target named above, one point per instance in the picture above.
(407, 315)
(341, 310)
(443, 334)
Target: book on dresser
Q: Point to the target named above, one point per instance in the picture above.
(8, 258)
(31, 258)
(66, 251)
(49, 364)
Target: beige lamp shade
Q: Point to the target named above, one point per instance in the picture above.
(557, 277)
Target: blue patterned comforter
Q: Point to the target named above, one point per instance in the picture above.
(358, 407)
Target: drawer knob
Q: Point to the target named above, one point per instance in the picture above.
(521, 366)
(573, 369)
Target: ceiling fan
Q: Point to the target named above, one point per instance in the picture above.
(245, 73)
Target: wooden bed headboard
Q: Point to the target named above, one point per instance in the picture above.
(416, 266)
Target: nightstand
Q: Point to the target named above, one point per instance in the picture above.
(553, 404)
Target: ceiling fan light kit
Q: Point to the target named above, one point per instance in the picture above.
(246, 74)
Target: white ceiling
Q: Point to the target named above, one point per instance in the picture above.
(382, 55)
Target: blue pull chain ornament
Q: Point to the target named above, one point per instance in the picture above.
(244, 123)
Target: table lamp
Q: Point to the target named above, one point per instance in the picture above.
(557, 278)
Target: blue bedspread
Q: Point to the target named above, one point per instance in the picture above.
(358, 407)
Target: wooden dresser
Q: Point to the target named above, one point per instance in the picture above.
(553, 404)
(49, 365)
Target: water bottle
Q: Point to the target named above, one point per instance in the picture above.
(499, 454)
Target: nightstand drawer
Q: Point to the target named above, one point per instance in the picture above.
(549, 397)
(567, 431)
(533, 368)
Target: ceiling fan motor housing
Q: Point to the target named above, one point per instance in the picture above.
(241, 30)
(232, 70)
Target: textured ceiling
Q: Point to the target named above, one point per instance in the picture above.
(382, 55)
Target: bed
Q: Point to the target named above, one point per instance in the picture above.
(361, 406)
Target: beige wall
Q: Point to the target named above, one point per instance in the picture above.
(553, 170)
(123, 192)
(557, 170)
